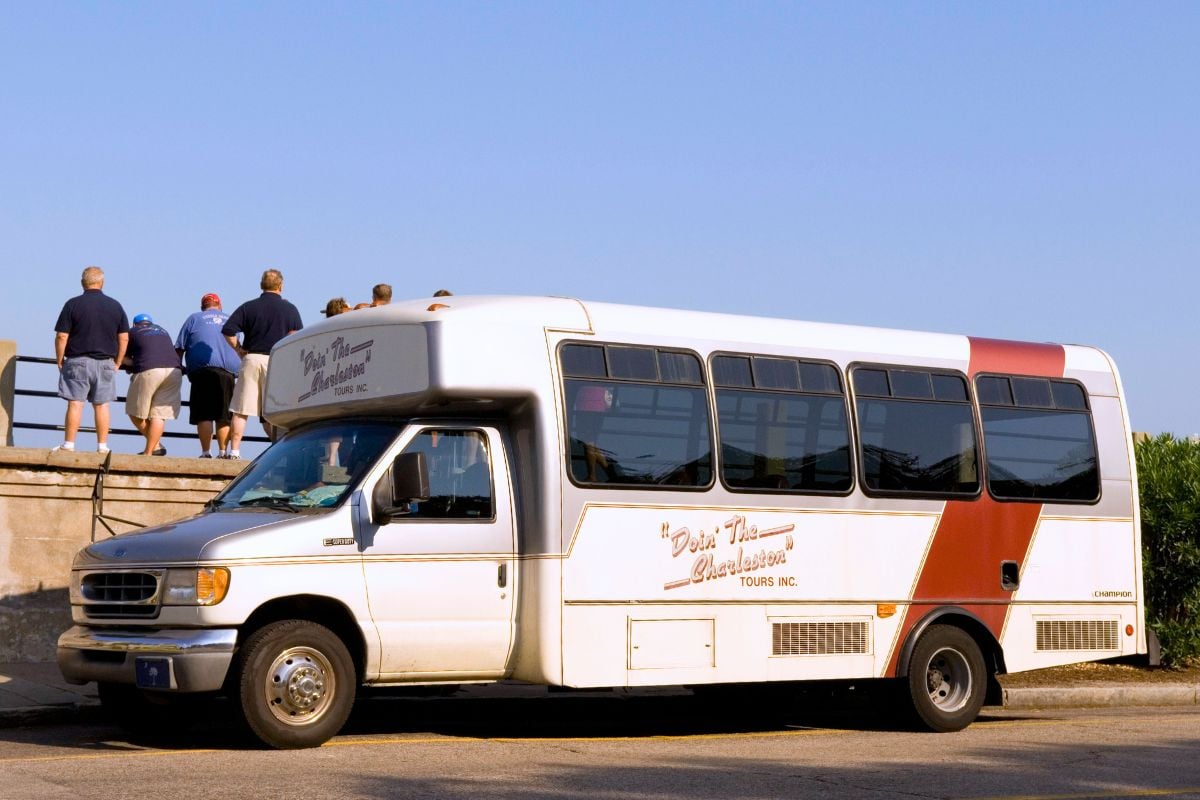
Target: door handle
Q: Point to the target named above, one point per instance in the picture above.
(502, 576)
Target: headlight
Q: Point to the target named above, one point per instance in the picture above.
(202, 586)
(76, 587)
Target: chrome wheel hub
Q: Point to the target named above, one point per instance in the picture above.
(300, 685)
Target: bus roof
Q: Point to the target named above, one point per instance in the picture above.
(498, 343)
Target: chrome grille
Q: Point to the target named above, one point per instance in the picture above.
(119, 587)
(120, 594)
(819, 638)
(1077, 634)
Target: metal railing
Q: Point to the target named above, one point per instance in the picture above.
(44, 426)
(98, 515)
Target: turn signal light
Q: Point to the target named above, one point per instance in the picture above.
(211, 585)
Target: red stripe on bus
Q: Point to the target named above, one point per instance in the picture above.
(962, 567)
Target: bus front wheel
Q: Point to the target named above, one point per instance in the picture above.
(296, 684)
(946, 681)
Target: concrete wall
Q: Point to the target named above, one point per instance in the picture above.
(8, 384)
(46, 516)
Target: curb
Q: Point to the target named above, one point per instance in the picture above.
(1098, 696)
(23, 716)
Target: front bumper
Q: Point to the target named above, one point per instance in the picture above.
(198, 660)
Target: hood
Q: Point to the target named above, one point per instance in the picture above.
(180, 541)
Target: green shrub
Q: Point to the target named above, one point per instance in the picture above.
(1169, 483)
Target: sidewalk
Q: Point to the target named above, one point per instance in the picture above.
(36, 693)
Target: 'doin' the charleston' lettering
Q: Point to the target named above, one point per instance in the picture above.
(349, 362)
(709, 564)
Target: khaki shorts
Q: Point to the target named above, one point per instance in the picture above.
(251, 383)
(154, 394)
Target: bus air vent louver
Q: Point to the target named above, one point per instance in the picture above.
(1077, 634)
(818, 638)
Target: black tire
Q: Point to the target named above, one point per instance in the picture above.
(946, 680)
(140, 711)
(296, 684)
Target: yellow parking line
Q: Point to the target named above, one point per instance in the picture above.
(674, 738)
(402, 740)
(1097, 795)
(101, 756)
(545, 739)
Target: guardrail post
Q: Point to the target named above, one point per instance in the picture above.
(8, 387)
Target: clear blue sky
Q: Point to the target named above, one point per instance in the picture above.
(1013, 170)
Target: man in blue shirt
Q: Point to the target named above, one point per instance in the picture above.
(154, 388)
(261, 322)
(211, 366)
(91, 335)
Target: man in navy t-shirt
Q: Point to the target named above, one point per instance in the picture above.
(91, 335)
(154, 389)
(261, 322)
(211, 366)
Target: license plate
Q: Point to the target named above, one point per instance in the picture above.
(153, 673)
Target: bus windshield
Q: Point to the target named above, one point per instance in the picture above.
(311, 468)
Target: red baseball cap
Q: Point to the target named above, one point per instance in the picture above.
(209, 299)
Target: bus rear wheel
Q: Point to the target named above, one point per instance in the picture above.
(296, 684)
(946, 681)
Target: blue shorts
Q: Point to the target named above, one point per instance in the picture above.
(90, 379)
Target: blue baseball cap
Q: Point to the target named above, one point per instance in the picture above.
(140, 318)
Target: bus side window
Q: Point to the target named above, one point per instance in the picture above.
(782, 424)
(916, 432)
(1039, 439)
(635, 416)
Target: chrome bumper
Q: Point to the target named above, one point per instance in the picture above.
(199, 659)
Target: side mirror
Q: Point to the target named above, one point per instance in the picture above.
(407, 481)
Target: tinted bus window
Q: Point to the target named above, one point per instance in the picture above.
(732, 371)
(1040, 446)
(776, 373)
(787, 432)
(916, 446)
(634, 363)
(871, 382)
(583, 361)
(644, 421)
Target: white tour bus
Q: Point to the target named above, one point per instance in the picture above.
(591, 495)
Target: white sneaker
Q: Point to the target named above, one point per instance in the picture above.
(62, 448)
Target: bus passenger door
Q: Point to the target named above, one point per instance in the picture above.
(441, 579)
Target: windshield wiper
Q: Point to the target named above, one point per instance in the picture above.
(211, 504)
(270, 501)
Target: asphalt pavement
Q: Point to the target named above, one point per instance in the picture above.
(32, 693)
